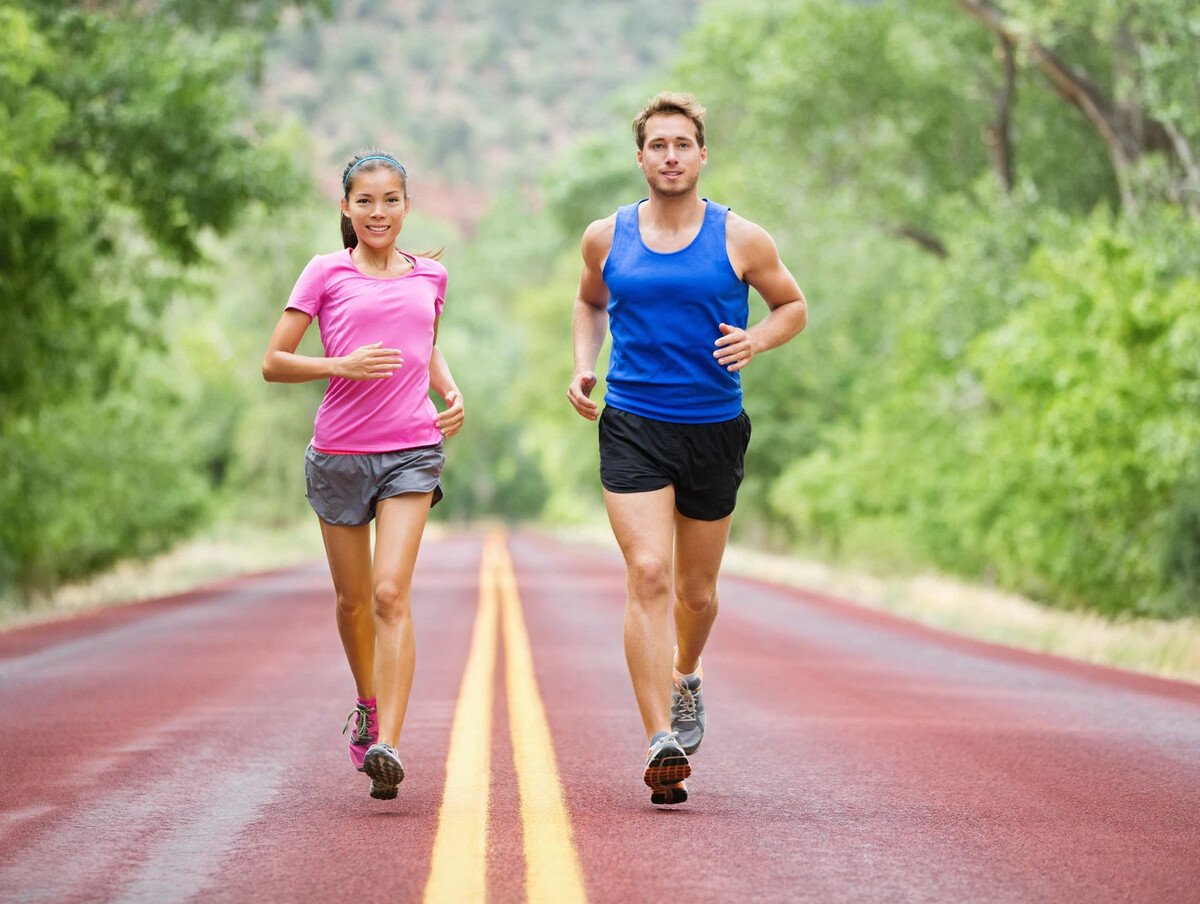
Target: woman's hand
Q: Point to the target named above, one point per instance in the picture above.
(450, 421)
(370, 362)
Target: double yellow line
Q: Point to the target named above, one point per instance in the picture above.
(459, 867)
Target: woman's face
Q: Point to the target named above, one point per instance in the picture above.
(376, 204)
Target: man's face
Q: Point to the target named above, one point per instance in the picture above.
(671, 158)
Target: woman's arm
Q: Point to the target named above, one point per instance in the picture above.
(441, 381)
(283, 365)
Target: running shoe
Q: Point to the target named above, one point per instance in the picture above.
(383, 764)
(383, 791)
(666, 768)
(674, 793)
(687, 712)
(365, 733)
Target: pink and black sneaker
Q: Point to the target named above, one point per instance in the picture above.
(365, 733)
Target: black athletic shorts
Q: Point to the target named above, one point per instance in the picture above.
(705, 462)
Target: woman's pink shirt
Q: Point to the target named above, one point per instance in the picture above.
(353, 310)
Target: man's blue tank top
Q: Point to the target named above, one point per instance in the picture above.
(664, 311)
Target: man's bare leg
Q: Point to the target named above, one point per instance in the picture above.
(644, 525)
(699, 548)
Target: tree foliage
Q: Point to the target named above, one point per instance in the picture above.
(992, 206)
(1000, 371)
(124, 137)
(1013, 407)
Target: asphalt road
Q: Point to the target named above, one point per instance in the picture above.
(190, 749)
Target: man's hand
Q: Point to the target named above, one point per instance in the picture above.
(579, 394)
(734, 349)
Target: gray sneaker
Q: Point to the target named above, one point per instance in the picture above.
(687, 712)
(383, 765)
(384, 791)
(666, 768)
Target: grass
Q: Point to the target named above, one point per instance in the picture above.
(1167, 649)
(223, 551)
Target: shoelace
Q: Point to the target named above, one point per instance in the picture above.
(362, 727)
(672, 736)
(686, 706)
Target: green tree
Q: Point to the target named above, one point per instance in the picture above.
(124, 137)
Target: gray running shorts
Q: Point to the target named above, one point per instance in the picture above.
(344, 488)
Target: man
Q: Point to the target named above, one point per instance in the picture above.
(669, 277)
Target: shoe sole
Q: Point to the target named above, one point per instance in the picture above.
(383, 791)
(383, 769)
(666, 770)
(671, 794)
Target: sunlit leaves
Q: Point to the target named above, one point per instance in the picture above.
(124, 137)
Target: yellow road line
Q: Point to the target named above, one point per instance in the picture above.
(459, 864)
(552, 871)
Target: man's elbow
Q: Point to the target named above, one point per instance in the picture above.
(801, 309)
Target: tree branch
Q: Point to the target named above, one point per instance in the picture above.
(925, 240)
(1127, 130)
(998, 135)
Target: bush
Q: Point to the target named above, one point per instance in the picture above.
(87, 484)
(1048, 450)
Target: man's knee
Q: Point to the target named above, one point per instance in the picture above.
(649, 577)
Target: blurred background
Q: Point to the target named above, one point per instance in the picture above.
(993, 209)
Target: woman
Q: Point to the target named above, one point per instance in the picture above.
(377, 449)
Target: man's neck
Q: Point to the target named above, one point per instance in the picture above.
(670, 214)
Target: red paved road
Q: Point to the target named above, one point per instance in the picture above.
(190, 750)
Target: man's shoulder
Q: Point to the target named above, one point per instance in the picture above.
(598, 237)
(602, 225)
(745, 233)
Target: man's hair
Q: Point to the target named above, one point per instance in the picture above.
(666, 103)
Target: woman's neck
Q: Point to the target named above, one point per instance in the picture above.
(381, 262)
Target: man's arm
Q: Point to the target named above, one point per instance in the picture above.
(755, 259)
(590, 318)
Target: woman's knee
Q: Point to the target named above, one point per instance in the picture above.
(350, 605)
(696, 599)
(392, 600)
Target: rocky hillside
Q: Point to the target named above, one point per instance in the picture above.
(473, 94)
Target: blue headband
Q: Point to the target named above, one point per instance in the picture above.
(346, 178)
